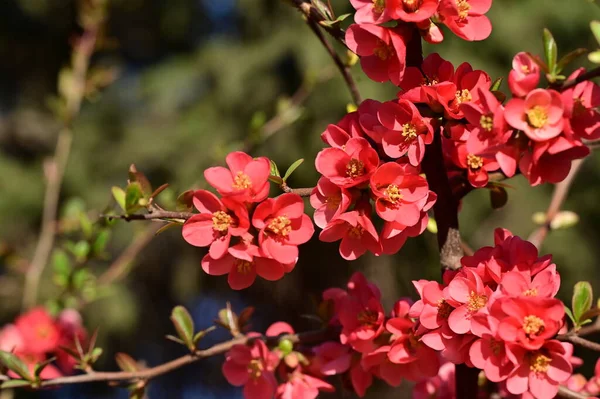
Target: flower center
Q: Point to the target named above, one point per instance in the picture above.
(355, 168)
(463, 8)
(444, 309)
(333, 201)
(463, 96)
(409, 131)
(476, 301)
(281, 225)
(356, 232)
(42, 332)
(486, 122)
(531, 292)
(537, 116)
(533, 325)
(393, 193)
(383, 51)
(243, 266)
(474, 162)
(539, 363)
(411, 5)
(525, 69)
(221, 221)
(378, 6)
(241, 181)
(367, 318)
(255, 368)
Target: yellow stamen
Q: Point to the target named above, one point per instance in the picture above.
(476, 301)
(409, 131)
(537, 116)
(463, 96)
(539, 363)
(241, 181)
(474, 162)
(533, 325)
(281, 225)
(355, 168)
(486, 122)
(221, 221)
(393, 193)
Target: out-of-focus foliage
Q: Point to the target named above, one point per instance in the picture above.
(197, 77)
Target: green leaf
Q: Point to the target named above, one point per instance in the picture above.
(432, 226)
(582, 299)
(496, 84)
(594, 57)
(564, 220)
(126, 362)
(119, 195)
(323, 9)
(595, 27)
(292, 168)
(202, 334)
(15, 364)
(185, 201)
(274, 169)
(550, 50)
(101, 241)
(184, 325)
(39, 367)
(570, 315)
(570, 57)
(276, 179)
(15, 384)
(81, 250)
(498, 197)
(139, 177)
(132, 197)
(95, 355)
(61, 262)
(86, 224)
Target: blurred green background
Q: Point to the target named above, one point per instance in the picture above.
(196, 79)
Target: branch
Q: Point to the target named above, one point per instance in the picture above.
(591, 74)
(564, 392)
(303, 192)
(577, 340)
(310, 337)
(311, 13)
(154, 215)
(561, 190)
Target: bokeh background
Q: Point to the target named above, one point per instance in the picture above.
(196, 79)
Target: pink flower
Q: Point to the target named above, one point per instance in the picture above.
(435, 70)
(441, 386)
(400, 192)
(466, 19)
(475, 157)
(71, 329)
(253, 368)
(300, 385)
(524, 76)
(283, 226)
(11, 339)
(39, 331)
(538, 372)
(487, 117)
(408, 132)
(371, 11)
(246, 180)
(469, 84)
(528, 321)
(539, 115)
(217, 222)
(331, 358)
(348, 167)
(545, 284)
(360, 379)
(382, 51)
(329, 201)
(581, 117)
(412, 10)
(243, 262)
(357, 232)
(467, 290)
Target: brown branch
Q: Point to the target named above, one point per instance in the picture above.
(303, 192)
(577, 340)
(566, 393)
(311, 337)
(561, 190)
(591, 74)
(155, 215)
(311, 13)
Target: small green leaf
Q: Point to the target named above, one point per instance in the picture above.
(139, 177)
(132, 197)
(564, 220)
(119, 195)
(86, 224)
(61, 262)
(594, 57)
(570, 315)
(351, 107)
(185, 201)
(126, 362)
(274, 169)
(201, 334)
(39, 367)
(582, 299)
(14, 384)
(276, 179)
(292, 168)
(95, 355)
(595, 27)
(432, 226)
(568, 58)
(550, 50)
(496, 84)
(539, 218)
(175, 339)
(101, 241)
(15, 364)
(498, 197)
(81, 250)
(184, 325)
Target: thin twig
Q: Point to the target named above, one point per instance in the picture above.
(566, 393)
(155, 215)
(589, 75)
(313, 14)
(311, 337)
(561, 190)
(303, 192)
(577, 340)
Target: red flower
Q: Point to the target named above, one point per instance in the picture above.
(441, 386)
(329, 201)
(433, 71)
(528, 321)
(371, 11)
(331, 358)
(524, 76)
(217, 222)
(539, 115)
(382, 51)
(473, 156)
(300, 385)
(400, 193)
(246, 180)
(469, 292)
(283, 226)
(539, 371)
(39, 331)
(468, 86)
(581, 117)
(408, 132)
(348, 167)
(465, 18)
(412, 10)
(253, 368)
(545, 284)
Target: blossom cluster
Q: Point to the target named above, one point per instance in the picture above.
(248, 234)
(383, 48)
(591, 387)
(35, 337)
